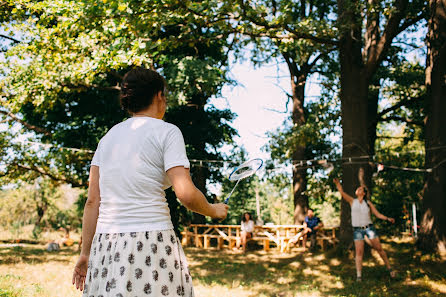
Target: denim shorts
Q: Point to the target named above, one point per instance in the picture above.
(359, 233)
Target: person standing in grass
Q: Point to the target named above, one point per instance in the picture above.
(363, 226)
(129, 246)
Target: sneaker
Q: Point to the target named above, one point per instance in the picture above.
(358, 279)
(392, 273)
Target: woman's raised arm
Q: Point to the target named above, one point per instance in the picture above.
(344, 195)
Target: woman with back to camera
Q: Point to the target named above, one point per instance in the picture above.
(363, 226)
(129, 246)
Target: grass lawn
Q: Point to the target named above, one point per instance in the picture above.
(28, 270)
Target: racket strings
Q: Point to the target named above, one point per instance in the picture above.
(243, 171)
(246, 169)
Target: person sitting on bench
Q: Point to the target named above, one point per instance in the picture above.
(247, 227)
(311, 225)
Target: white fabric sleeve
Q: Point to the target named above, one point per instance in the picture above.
(96, 157)
(175, 150)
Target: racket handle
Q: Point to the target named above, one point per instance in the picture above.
(227, 199)
(230, 194)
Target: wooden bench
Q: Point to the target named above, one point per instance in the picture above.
(200, 235)
(325, 236)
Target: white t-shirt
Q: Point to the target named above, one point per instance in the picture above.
(133, 158)
(248, 226)
(360, 213)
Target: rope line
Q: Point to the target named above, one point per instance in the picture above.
(296, 163)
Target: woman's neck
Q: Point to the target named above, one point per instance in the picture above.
(150, 112)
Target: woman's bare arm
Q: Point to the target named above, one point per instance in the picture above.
(91, 211)
(344, 195)
(378, 214)
(191, 197)
(89, 221)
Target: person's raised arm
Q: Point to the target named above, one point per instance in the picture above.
(344, 195)
(191, 197)
(378, 214)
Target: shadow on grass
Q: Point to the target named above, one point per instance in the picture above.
(320, 274)
(33, 254)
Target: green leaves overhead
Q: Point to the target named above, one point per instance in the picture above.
(63, 78)
(77, 44)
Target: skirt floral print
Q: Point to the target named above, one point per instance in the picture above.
(133, 264)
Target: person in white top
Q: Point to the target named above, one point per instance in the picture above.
(129, 246)
(246, 228)
(363, 226)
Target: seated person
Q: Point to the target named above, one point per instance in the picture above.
(65, 240)
(247, 227)
(311, 225)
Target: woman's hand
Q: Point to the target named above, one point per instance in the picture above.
(80, 272)
(337, 184)
(392, 220)
(220, 211)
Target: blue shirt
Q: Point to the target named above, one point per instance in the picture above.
(313, 222)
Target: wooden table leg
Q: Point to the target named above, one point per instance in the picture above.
(206, 241)
(184, 241)
(266, 245)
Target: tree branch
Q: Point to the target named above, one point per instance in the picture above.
(41, 171)
(402, 119)
(10, 38)
(406, 102)
(412, 21)
(292, 66)
(399, 137)
(322, 54)
(295, 34)
(26, 124)
(377, 52)
(83, 87)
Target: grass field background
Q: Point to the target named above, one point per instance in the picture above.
(29, 270)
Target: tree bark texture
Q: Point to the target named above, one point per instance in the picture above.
(360, 57)
(432, 237)
(298, 81)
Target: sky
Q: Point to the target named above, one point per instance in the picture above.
(260, 102)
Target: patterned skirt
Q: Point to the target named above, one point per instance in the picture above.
(133, 264)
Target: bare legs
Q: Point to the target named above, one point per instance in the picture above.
(244, 236)
(305, 235)
(376, 244)
(359, 249)
(359, 253)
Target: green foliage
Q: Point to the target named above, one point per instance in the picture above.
(400, 140)
(274, 192)
(63, 79)
(42, 204)
(322, 117)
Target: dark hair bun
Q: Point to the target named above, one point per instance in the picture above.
(138, 88)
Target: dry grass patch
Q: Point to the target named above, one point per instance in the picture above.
(29, 270)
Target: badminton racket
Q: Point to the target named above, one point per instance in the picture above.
(243, 171)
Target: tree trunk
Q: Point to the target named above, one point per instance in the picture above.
(199, 179)
(358, 106)
(432, 236)
(199, 173)
(299, 172)
(355, 110)
(372, 122)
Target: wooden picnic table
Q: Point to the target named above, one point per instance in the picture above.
(280, 235)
